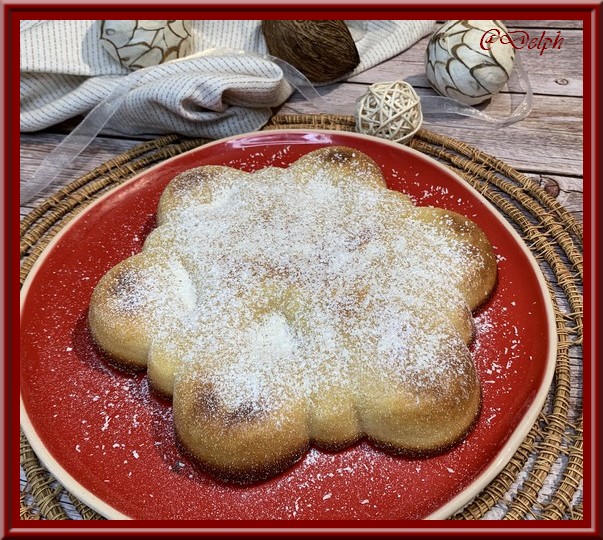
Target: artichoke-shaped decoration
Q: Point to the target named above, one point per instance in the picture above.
(469, 61)
(139, 44)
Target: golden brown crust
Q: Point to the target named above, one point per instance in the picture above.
(243, 477)
(480, 281)
(429, 451)
(241, 444)
(118, 328)
(260, 372)
(200, 183)
(342, 164)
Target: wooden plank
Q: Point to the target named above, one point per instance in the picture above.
(548, 141)
(35, 147)
(527, 23)
(555, 72)
(524, 23)
(567, 189)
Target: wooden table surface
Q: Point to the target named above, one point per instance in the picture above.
(547, 145)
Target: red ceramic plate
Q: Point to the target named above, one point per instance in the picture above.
(111, 442)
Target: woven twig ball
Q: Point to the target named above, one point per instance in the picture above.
(391, 110)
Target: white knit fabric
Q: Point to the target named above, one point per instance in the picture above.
(65, 72)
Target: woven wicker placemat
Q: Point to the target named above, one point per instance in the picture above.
(543, 479)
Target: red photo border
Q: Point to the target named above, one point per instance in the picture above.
(589, 12)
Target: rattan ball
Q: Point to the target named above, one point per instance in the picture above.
(391, 110)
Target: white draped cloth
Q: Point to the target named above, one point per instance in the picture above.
(66, 72)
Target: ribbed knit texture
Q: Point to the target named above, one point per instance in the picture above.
(65, 72)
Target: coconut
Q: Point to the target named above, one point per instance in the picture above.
(322, 50)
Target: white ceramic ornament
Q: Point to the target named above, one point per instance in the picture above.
(140, 44)
(391, 110)
(466, 66)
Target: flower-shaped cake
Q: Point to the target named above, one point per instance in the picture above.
(299, 306)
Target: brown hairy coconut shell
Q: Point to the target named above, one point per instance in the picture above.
(321, 50)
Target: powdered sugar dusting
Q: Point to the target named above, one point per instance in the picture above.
(288, 286)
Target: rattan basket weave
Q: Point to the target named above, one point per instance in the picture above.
(543, 479)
